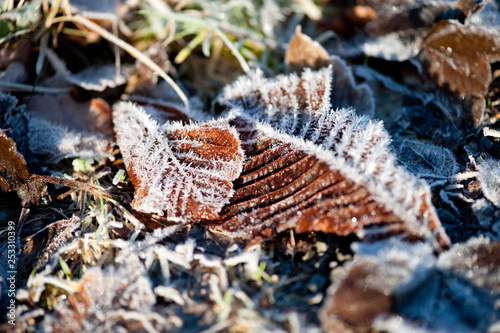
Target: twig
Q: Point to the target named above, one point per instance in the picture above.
(11, 86)
(76, 185)
(127, 47)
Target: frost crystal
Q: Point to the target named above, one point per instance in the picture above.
(185, 171)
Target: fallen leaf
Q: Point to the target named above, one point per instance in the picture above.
(478, 260)
(61, 127)
(183, 171)
(428, 160)
(97, 78)
(458, 56)
(13, 171)
(14, 175)
(390, 286)
(350, 187)
(316, 169)
(303, 52)
(489, 180)
(105, 297)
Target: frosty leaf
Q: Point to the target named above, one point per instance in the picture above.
(303, 52)
(342, 183)
(458, 56)
(428, 160)
(402, 15)
(331, 171)
(60, 127)
(94, 8)
(396, 280)
(489, 178)
(185, 171)
(365, 290)
(290, 101)
(14, 175)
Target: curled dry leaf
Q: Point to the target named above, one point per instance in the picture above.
(315, 169)
(14, 175)
(184, 171)
(458, 56)
(303, 52)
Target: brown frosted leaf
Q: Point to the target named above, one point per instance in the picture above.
(303, 52)
(316, 169)
(183, 171)
(356, 302)
(351, 187)
(478, 259)
(458, 56)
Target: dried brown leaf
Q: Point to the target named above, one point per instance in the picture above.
(14, 175)
(287, 183)
(402, 15)
(303, 52)
(393, 280)
(329, 171)
(13, 171)
(356, 302)
(458, 56)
